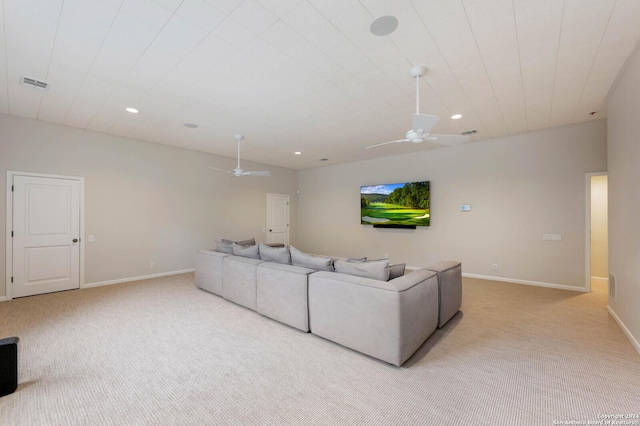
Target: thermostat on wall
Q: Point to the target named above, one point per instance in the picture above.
(465, 207)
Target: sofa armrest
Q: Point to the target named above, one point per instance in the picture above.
(449, 288)
(209, 270)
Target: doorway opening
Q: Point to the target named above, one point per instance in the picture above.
(597, 244)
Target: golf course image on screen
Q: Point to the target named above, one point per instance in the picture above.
(395, 204)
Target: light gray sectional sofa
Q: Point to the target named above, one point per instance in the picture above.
(388, 320)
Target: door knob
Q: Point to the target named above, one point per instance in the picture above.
(270, 230)
(75, 240)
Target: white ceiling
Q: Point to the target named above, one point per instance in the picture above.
(307, 75)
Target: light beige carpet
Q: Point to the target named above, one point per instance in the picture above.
(163, 352)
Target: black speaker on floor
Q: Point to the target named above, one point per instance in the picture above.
(8, 365)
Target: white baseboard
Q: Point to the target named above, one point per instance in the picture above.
(624, 328)
(606, 280)
(144, 277)
(3, 298)
(526, 282)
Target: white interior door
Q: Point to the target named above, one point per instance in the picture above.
(46, 235)
(278, 219)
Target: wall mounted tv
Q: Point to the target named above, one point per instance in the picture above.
(396, 205)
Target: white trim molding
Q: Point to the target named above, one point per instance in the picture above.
(143, 277)
(527, 282)
(624, 328)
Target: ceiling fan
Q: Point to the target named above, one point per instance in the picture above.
(237, 172)
(422, 123)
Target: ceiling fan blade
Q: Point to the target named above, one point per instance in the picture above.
(256, 173)
(424, 122)
(450, 140)
(222, 170)
(387, 143)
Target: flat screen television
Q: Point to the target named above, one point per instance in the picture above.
(396, 205)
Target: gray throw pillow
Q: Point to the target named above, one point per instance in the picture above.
(320, 263)
(249, 242)
(396, 270)
(246, 251)
(224, 247)
(375, 269)
(362, 259)
(275, 254)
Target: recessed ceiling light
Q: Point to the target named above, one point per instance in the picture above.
(456, 116)
(297, 153)
(132, 110)
(384, 25)
(190, 125)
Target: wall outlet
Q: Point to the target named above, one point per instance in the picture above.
(152, 265)
(92, 238)
(494, 267)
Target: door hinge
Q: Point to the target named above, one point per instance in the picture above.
(11, 188)
(11, 279)
(11, 234)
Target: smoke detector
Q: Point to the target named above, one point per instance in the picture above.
(32, 82)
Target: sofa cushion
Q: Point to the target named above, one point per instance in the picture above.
(274, 254)
(396, 270)
(320, 263)
(224, 246)
(246, 251)
(375, 269)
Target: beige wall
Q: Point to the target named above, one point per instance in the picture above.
(599, 231)
(623, 156)
(519, 188)
(143, 202)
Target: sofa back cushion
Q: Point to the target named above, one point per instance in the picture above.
(249, 242)
(375, 269)
(274, 254)
(246, 251)
(319, 263)
(226, 246)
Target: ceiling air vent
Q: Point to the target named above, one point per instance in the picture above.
(469, 132)
(32, 82)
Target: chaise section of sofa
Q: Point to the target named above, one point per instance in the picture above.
(209, 271)
(283, 293)
(449, 288)
(388, 320)
(239, 275)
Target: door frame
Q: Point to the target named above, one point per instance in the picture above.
(9, 225)
(587, 227)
